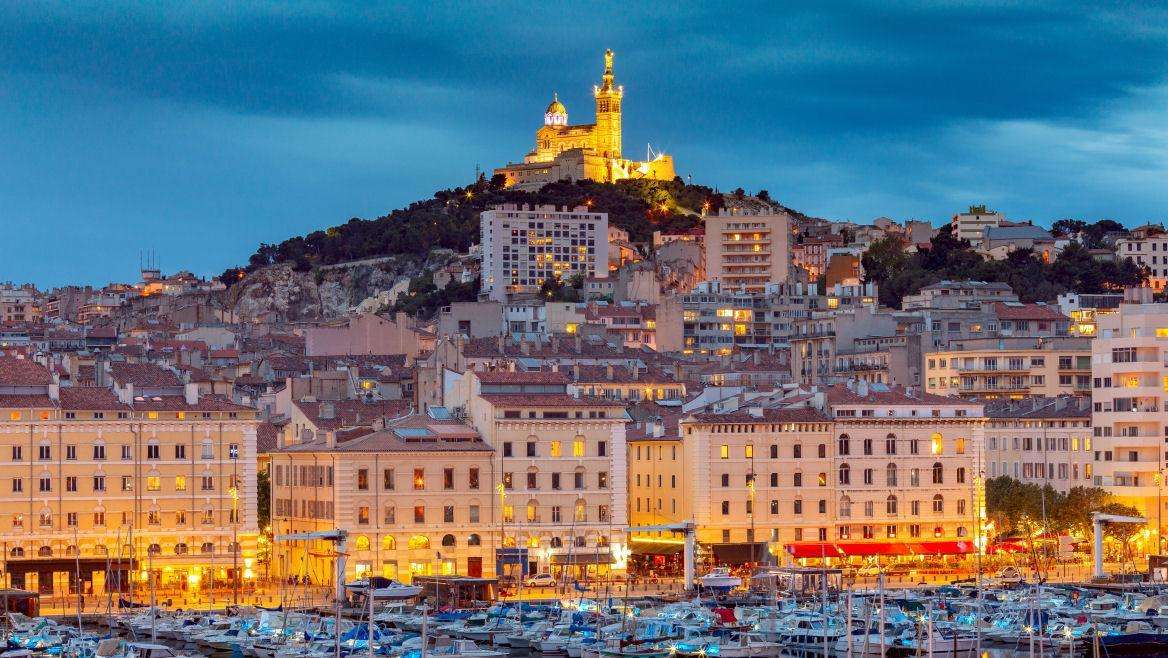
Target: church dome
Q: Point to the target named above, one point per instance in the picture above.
(556, 107)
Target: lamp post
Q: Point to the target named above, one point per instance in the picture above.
(234, 492)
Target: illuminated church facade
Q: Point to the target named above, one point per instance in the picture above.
(591, 151)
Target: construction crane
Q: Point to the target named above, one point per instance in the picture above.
(339, 538)
(1097, 521)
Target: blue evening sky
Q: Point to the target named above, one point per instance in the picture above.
(200, 129)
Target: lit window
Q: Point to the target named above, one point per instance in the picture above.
(153, 483)
(725, 452)
(578, 448)
(937, 445)
(557, 450)
(180, 483)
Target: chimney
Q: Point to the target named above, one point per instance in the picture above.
(191, 393)
(54, 392)
(327, 411)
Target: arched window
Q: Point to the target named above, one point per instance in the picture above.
(938, 473)
(890, 474)
(890, 505)
(473, 540)
(961, 475)
(845, 474)
(845, 506)
(938, 503)
(16, 552)
(448, 540)
(45, 551)
(533, 541)
(388, 543)
(890, 444)
(207, 548)
(845, 445)
(361, 543)
(557, 542)
(938, 532)
(71, 549)
(961, 531)
(181, 549)
(937, 444)
(153, 549)
(579, 541)
(419, 541)
(508, 542)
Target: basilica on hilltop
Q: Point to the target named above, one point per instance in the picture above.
(591, 150)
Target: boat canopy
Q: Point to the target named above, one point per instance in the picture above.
(813, 549)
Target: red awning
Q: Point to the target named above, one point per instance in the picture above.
(813, 549)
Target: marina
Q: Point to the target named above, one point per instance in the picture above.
(719, 619)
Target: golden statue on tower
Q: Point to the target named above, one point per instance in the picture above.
(592, 150)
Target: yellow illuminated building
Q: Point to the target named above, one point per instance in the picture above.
(591, 151)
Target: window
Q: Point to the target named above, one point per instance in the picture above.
(507, 445)
(99, 483)
(152, 451)
(448, 514)
(845, 474)
(180, 483)
(99, 451)
(126, 454)
(822, 479)
(16, 453)
(531, 448)
(448, 478)
(890, 505)
(938, 504)
(70, 452)
(938, 473)
(207, 483)
(387, 479)
(46, 484)
(890, 444)
(797, 506)
(419, 513)
(362, 479)
(961, 474)
(363, 515)
(44, 452)
(867, 446)
(797, 451)
(724, 452)
(180, 451)
(890, 475)
(153, 483)
(725, 508)
(845, 445)
(208, 450)
(233, 451)
(419, 479)
(17, 485)
(822, 450)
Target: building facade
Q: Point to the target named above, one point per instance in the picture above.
(748, 252)
(994, 368)
(1043, 441)
(524, 246)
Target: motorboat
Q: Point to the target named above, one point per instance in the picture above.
(719, 580)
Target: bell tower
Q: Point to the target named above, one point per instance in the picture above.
(607, 137)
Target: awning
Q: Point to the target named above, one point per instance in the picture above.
(655, 548)
(582, 558)
(813, 549)
(739, 553)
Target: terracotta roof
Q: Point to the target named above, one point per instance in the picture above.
(522, 377)
(547, 400)
(225, 354)
(352, 412)
(23, 372)
(23, 401)
(179, 403)
(414, 433)
(842, 395)
(143, 374)
(800, 415)
(266, 434)
(1027, 312)
(597, 374)
(90, 398)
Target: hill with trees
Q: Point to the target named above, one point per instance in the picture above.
(899, 273)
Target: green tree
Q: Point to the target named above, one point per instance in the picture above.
(263, 499)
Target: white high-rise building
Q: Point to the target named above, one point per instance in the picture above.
(1130, 421)
(524, 246)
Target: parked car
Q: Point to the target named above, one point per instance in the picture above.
(541, 580)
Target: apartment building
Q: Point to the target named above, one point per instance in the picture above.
(714, 318)
(818, 338)
(745, 251)
(1147, 247)
(1041, 440)
(415, 496)
(857, 470)
(1011, 367)
(523, 246)
(561, 461)
(971, 225)
(142, 480)
(1129, 370)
